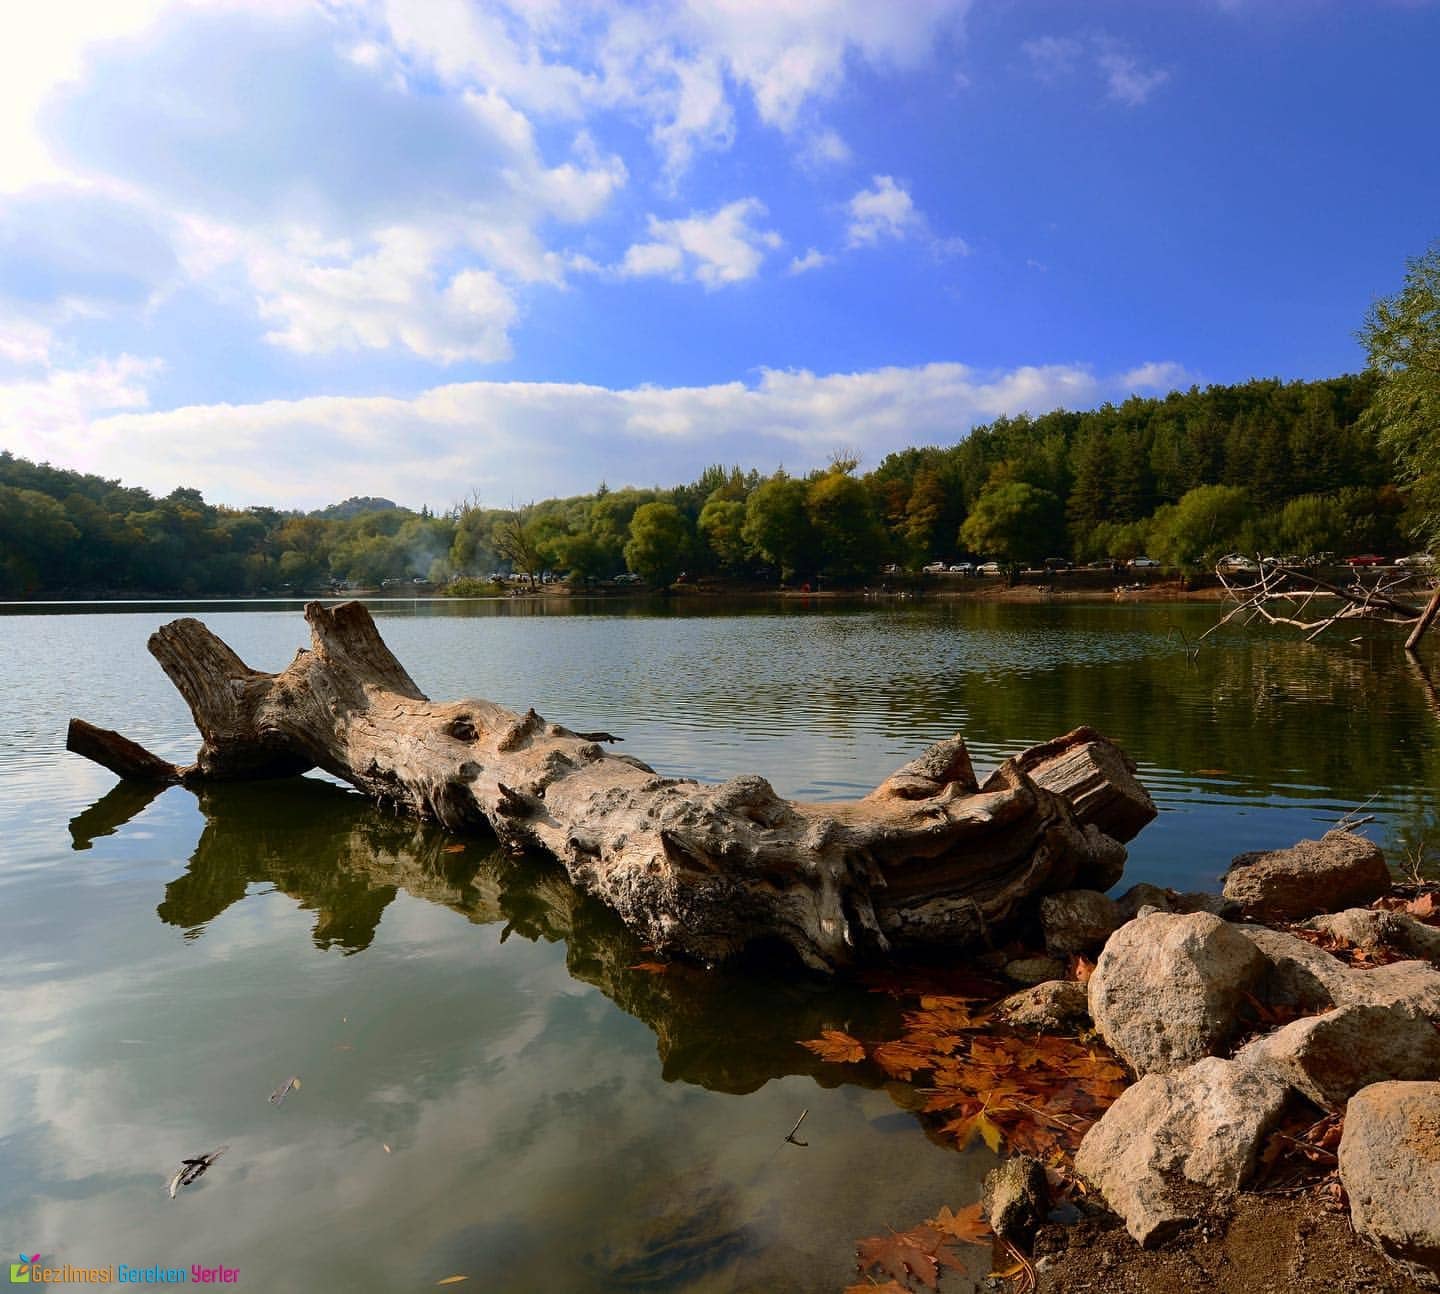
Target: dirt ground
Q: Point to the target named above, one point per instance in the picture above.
(1271, 1245)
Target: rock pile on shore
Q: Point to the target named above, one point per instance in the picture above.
(1177, 991)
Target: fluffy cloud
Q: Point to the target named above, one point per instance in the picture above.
(885, 210)
(519, 440)
(360, 213)
(1127, 81)
(715, 249)
(671, 64)
(35, 410)
(1054, 59)
(812, 260)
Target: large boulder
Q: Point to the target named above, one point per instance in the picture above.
(1340, 870)
(1053, 1007)
(1298, 974)
(1301, 975)
(1176, 1144)
(1330, 1057)
(1078, 921)
(1390, 1168)
(1167, 989)
(1412, 987)
(1380, 931)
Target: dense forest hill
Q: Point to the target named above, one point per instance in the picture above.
(1265, 465)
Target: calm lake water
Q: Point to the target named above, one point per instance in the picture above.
(489, 1087)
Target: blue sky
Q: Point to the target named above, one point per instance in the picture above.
(291, 251)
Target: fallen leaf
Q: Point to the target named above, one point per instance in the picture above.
(455, 849)
(452, 1280)
(837, 1047)
(918, 1253)
(387, 1148)
(868, 1287)
(1424, 908)
(968, 1225)
(651, 968)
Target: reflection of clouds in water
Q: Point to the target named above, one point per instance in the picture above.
(532, 1137)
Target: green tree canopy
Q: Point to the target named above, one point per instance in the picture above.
(1401, 335)
(1015, 522)
(659, 542)
(1208, 522)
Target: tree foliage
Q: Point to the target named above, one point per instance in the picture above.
(1401, 335)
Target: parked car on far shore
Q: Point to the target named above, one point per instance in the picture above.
(1416, 559)
(1141, 563)
(1365, 559)
(989, 568)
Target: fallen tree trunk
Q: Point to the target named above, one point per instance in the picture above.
(928, 857)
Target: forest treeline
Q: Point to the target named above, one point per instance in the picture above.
(1287, 468)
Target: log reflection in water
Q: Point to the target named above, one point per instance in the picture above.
(338, 856)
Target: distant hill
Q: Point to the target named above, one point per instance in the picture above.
(353, 507)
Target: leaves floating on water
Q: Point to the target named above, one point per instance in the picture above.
(1039, 1094)
(836, 1046)
(455, 849)
(651, 968)
(452, 1280)
(968, 1225)
(918, 1253)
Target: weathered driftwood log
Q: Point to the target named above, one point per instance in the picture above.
(927, 857)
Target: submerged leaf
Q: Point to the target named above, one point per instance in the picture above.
(968, 1225)
(836, 1046)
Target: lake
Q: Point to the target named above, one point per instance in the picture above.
(489, 1086)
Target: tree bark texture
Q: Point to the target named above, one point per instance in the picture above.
(929, 857)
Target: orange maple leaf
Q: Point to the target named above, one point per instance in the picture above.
(968, 1225)
(837, 1047)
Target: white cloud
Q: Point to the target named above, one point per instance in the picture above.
(674, 63)
(36, 409)
(885, 210)
(531, 439)
(715, 249)
(24, 342)
(390, 296)
(824, 149)
(1129, 83)
(812, 260)
(1163, 375)
(1054, 59)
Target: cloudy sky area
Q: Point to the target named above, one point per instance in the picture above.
(290, 251)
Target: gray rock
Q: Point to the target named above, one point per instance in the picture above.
(1167, 989)
(1377, 930)
(1054, 1006)
(1144, 896)
(1215, 904)
(1412, 987)
(1034, 970)
(1330, 1057)
(1299, 974)
(1078, 921)
(1174, 1144)
(1390, 1168)
(1340, 870)
(1015, 1199)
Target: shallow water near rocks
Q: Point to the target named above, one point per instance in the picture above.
(489, 1086)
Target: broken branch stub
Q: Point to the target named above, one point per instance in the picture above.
(928, 857)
